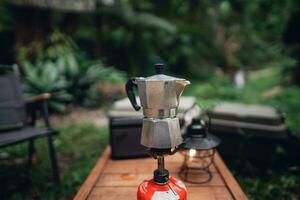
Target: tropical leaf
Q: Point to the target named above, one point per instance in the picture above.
(152, 21)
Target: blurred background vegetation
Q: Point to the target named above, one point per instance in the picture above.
(84, 58)
(196, 39)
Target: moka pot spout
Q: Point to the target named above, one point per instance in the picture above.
(179, 86)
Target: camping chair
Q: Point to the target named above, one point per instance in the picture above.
(18, 117)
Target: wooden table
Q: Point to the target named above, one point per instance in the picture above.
(119, 179)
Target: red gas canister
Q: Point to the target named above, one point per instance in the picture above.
(172, 189)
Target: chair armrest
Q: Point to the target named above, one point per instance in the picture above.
(38, 104)
(39, 97)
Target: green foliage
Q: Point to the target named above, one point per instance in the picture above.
(78, 148)
(288, 102)
(67, 73)
(5, 16)
(45, 78)
(272, 185)
(288, 66)
(131, 39)
(125, 10)
(189, 35)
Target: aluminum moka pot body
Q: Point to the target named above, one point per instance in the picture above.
(159, 96)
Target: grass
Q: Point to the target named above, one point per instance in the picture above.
(282, 180)
(78, 148)
(283, 185)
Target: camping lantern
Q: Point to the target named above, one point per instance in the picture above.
(198, 151)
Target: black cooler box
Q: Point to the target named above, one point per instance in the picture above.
(125, 126)
(249, 132)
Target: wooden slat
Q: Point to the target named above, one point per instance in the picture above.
(92, 178)
(230, 181)
(113, 193)
(208, 193)
(127, 179)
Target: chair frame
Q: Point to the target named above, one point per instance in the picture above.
(34, 105)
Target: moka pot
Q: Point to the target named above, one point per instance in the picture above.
(159, 96)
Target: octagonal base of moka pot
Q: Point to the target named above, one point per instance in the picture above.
(161, 133)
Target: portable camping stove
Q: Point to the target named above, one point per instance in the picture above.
(159, 95)
(162, 186)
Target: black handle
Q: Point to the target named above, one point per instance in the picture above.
(129, 90)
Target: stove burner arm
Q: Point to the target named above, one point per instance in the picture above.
(161, 163)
